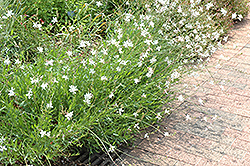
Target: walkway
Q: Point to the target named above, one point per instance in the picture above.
(212, 125)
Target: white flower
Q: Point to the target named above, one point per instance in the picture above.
(22, 67)
(40, 49)
(83, 62)
(163, 2)
(54, 20)
(205, 119)
(180, 98)
(240, 17)
(34, 80)
(135, 114)
(111, 149)
(49, 105)
(195, 13)
(7, 61)
(175, 75)
(91, 62)
(149, 75)
(73, 89)
(143, 95)
(158, 116)
(167, 111)
(137, 126)
(50, 62)
(151, 23)
(200, 101)
(44, 85)
(144, 32)
(223, 11)
(153, 60)
(234, 16)
(124, 62)
(84, 43)
(55, 81)
(105, 51)
(2, 148)
(69, 53)
(188, 117)
(146, 135)
(225, 38)
(139, 64)
(43, 133)
(104, 78)
(121, 111)
(179, 9)
(120, 50)
(69, 115)
(88, 97)
(36, 25)
(209, 5)
(102, 61)
(98, 4)
(65, 77)
(17, 61)
(127, 44)
(11, 92)
(136, 80)
(128, 16)
(148, 42)
(9, 13)
(155, 42)
(118, 69)
(150, 72)
(92, 71)
(29, 93)
(111, 95)
(166, 134)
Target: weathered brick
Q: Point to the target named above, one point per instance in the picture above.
(235, 152)
(219, 147)
(206, 162)
(232, 133)
(229, 160)
(180, 163)
(244, 145)
(247, 129)
(230, 123)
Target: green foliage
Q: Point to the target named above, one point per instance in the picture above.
(91, 80)
(106, 119)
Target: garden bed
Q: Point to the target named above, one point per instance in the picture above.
(83, 77)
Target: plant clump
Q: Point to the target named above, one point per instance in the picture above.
(80, 88)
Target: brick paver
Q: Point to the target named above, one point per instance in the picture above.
(216, 131)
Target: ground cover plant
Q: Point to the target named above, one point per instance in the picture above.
(81, 88)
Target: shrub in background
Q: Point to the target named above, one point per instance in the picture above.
(65, 13)
(230, 11)
(20, 35)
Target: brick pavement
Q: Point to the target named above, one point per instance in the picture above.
(218, 130)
